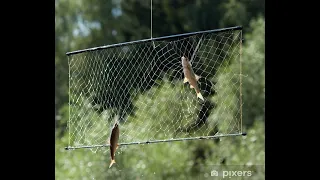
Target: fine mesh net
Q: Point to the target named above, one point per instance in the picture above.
(141, 85)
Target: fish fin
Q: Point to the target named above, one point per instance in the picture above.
(185, 80)
(191, 86)
(112, 162)
(199, 95)
(197, 77)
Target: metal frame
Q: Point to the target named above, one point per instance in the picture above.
(155, 39)
(152, 40)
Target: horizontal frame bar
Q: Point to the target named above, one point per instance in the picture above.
(155, 39)
(159, 141)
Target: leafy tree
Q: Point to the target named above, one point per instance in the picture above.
(253, 69)
(83, 24)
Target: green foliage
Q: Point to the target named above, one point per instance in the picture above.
(83, 24)
(253, 69)
(179, 160)
(235, 13)
(81, 163)
(176, 160)
(157, 117)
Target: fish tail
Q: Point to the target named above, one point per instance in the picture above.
(199, 95)
(112, 162)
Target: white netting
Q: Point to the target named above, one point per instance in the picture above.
(143, 85)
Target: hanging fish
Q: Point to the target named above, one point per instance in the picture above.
(114, 142)
(190, 76)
